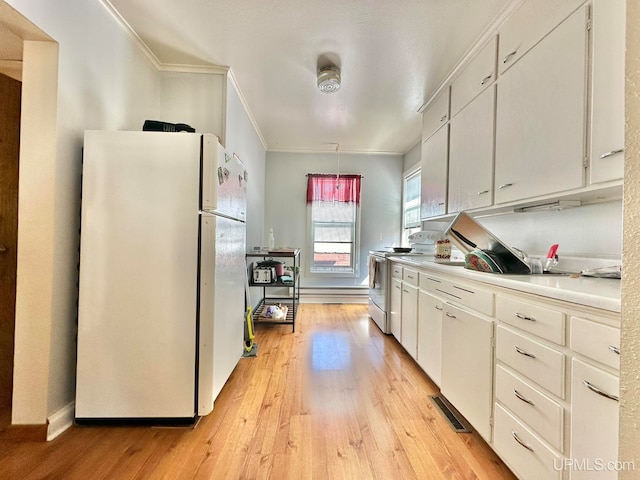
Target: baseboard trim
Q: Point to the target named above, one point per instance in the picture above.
(357, 295)
(61, 420)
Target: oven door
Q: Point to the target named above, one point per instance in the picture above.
(378, 291)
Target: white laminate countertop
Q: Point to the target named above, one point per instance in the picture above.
(603, 293)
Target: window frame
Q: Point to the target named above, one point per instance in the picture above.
(355, 263)
(406, 231)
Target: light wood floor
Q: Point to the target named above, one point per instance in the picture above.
(335, 400)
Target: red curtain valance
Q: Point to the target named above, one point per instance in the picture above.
(331, 187)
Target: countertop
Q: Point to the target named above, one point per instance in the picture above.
(603, 293)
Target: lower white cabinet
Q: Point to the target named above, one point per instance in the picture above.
(395, 316)
(467, 366)
(409, 309)
(525, 453)
(594, 422)
(430, 335)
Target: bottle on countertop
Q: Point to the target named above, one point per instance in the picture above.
(271, 241)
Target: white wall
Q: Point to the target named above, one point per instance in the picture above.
(183, 96)
(413, 157)
(630, 345)
(104, 82)
(286, 209)
(589, 231)
(242, 139)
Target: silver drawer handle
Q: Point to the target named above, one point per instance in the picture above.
(611, 153)
(405, 291)
(449, 315)
(443, 118)
(614, 349)
(483, 192)
(440, 204)
(486, 79)
(438, 308)
(595, 389)
(523, 398)
(410, 276)
(522, 352)
(517, 439)
(508, 57)
(524, 317)
(505, 185)
(397, 287)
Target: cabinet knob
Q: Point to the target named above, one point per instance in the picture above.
(508, 57)
(486, 79)
(3, 249)
(524, 317)
(521, 442)
(611, 153)
(519, 396)
(443, 118)
(595, 389)
(523, 352)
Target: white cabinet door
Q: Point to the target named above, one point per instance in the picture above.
(429, 355)
(433, 191)
(474, 78)
(540, 120)
(594, 421)
(471, 155)
(395, 316)
(528, 25)
(467, 364)
(409, 333)
(436, 114)
(607, 95)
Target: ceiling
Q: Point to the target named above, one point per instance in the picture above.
(394, 54)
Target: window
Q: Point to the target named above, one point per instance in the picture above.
(411, 205)
(334, 216)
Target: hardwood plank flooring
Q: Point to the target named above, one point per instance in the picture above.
(337, 399)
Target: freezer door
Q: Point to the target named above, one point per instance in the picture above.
(138, 276)
(224, 180)
(221, 305)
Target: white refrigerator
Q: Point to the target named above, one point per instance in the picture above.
(161, 291)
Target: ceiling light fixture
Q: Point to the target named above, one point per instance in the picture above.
(329, 79)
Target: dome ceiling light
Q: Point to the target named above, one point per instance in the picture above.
(329, 79)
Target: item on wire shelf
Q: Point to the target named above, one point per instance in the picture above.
(274, 312)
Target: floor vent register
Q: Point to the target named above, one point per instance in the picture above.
(454, 418)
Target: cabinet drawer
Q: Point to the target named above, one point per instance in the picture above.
(596, 341)
(467, 295)
(436, 114)
(542, 364)
(537, 410)
(523, 450)
(410, 276)
(476, 76)
(396, 271)
(540, 321)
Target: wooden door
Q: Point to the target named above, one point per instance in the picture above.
(10, 93)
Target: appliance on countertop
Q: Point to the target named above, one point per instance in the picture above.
(162, 274)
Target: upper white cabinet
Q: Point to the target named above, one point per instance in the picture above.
(436, 115)
(540, 118)
(476, 76)
(433, 191)
(471, 155)
(528, 25)
(607, 95)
